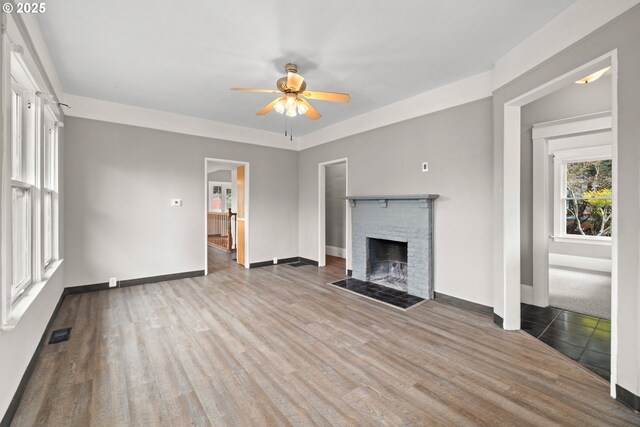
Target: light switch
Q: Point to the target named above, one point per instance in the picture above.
(176, 202)
(425, 166)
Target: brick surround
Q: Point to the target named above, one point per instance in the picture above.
(399, 218)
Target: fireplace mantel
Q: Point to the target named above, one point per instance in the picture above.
(383, 199)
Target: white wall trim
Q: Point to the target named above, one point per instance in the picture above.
(574, 125)
(580, 262)
(90, 108)
(508, 248)
(583, 17)
(43, 74)
(453, 94)
(335, 251)
(526, 294)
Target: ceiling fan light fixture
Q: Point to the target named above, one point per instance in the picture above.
(280, 105)
(293, 93)
(291, 112)
(302, 108)
(291, 104)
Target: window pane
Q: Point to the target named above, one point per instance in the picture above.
(588, 176)
(48, 227)
(588, 194)
(21, 223)
(48, 148)
(16, 137)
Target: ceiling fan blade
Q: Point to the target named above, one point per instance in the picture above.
(327, 96)
(311, 112)
(240, 89)
(268, 108)
(294, 81)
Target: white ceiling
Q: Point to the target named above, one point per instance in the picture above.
(183, 57)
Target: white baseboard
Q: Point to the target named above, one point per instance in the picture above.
(526, 294)
(583, 263)
(335, 251)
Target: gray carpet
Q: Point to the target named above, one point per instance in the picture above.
(581, 291)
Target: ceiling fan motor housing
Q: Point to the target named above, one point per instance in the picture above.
(291, 68)
(281, 84)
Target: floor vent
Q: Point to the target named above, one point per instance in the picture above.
(297, 264)
(60, 335)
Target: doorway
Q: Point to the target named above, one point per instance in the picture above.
(334, 216)
(226, 214)
(510, 247)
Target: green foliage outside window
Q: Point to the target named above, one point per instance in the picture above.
(588, 198)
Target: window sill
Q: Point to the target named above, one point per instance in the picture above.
(19, 308)
(599, 241)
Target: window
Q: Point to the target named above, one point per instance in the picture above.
(588, 198)
(21, 191)
(220, 196)
(33, 212)
(583, 207)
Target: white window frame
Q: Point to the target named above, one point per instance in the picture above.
(36, 118)
(27, 172)
(560, 161)
(49, 188)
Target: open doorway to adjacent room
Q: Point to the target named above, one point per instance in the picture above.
(226, 214)
(567, 213)
(334, 215)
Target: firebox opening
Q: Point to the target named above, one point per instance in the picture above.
(387, 263)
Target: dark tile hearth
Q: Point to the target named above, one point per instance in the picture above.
(380, 293)
(585, 339)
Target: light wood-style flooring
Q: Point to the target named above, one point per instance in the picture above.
(277, 346)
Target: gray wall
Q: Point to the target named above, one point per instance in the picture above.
(458, 145)
(120, 179)
(335, 213)
(219, 176)
(571, 101)
(622, 35)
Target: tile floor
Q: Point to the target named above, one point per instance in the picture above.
(585, 339)
(387, 295)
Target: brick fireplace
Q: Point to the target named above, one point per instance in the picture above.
(392, 241)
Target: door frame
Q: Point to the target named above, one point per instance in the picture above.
(246, 207)
(543, 229)
(508, 276)
(322, 225)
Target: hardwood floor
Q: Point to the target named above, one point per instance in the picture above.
(334, 261)
(277, 346)
(218, 260)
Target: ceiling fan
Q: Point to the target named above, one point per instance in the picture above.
(294, 99)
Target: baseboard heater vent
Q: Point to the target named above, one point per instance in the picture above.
(60, 335)
(298, 264)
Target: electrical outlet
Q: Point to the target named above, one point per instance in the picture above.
(425, 166)
(113, 282)
(275, 260)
